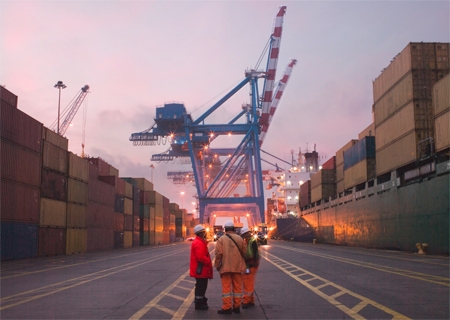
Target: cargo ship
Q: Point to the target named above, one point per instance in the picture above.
(390, 187)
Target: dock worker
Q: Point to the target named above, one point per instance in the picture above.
(252, 259)
(200, 267)
(229, 261)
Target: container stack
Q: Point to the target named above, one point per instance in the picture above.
(441, 107)
(166, 220)
(403, 111)
(340, 166)
(145, 211)
(77, 200)
(359, 162)
(178, 226)
(21, 158)
(305, 194)
(323, 185)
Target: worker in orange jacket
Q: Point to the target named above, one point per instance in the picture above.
(252, 259)
(229, 261)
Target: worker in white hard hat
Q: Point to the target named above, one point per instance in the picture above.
(200, 267)
(229, 261)
(252, 259)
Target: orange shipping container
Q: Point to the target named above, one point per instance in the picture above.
(127, 239)
(441, 96)
(442, 134)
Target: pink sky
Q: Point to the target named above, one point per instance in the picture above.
(137, 55)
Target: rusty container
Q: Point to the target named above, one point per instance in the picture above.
(118, 239)
(136, 239)
(77, 191)
(52, 241)
(20, 164)
(76, 240)
(305, 194)
(54, 157)
(78, 167)
(100, 239)
(53, 185)
(129, 221)
(99, 215)
(76, 215)
(119, 221)
(19, 202)
(118, 183)
(53, 213)
(101, 192)
(136, 223)
(20, 128)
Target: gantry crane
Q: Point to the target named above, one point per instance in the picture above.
(220, 172)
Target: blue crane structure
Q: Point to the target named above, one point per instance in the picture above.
(219, 172)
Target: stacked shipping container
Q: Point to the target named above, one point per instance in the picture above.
(441, 107)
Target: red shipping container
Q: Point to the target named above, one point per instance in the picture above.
(118, 183)
(8, 97)
(99, 215)
(101, 192)
(19, 202)
(136, 239)
(93, 171)
(102, 165)
(20, 128)
(129, 222)
(166, 202)
(136, 223)
(20, 164)
(119, 221)
(53, 185)
(166, 213)
(52, 241)
(100, 239)
(144, 197)
(330, 163)
(144, 225)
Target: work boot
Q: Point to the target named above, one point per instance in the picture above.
(224, 311)
(200, 304)
(236, 310)
(205, 300)
(247, 305)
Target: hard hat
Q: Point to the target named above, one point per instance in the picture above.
(229, 224)
(199, 228)
(244, 230)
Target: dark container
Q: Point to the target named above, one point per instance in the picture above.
(118, 183)
(166, 202)
(20, 164)
(166, 225)
(330, 163)
(145, 197)
(136, 200)
(166, 213)
(129, 222)
(136, 223)
(102, 165)
(305, 194)
(93, 170)
(144, 225)
(363, 149)
(19, 202)
(8, 97)
(52, 241)
(100, 239)
(136, 239)
(144, 238)
(53, 185)
(20, 128)
(119, 221)
(18, 240)
(178, 221)
(101, 192)
(99, 215)
(119, 203)
(118, 239)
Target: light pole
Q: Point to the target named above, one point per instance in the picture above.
(152, 167)
(182, 199)
(59, 85)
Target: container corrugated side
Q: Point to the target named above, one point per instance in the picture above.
(118, 183)
(362, 150)
(159, 224)
(143, 184)
(127, 239)
(441, 96)
(305, 194)
(174, 206)
(136, 239)
(53, 213)
(76, 241)
(399, 153)
(77, 191)
(119, 203)
(442, 131)
(101, 192)
(330, 163)
(78, 168)
(324, 176)
(54, 157)
(144, 238)
(340, 186)
(19, 202)
(361, 172)
(102, 166)
(128, 206)
(136, 223)
(119, 221)
(55, 139)
(8, 97)
(340, 152)
(166, 202)
(159, 211)
(20, 128)
(18, 240)
(53, 185)
(323, 191)
(340, 172)
(442, 56)
(144, 211)
(145, 225)
(76, 215)
(20, 164)
(99, 215)
(118, 239)
(52, 241)
(100, 239)
(367, 132)
(129, 222)
(113, 171)
(128, 190)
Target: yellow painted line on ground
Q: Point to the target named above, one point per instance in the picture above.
(402, 272)
(25, 297)
(352, 312)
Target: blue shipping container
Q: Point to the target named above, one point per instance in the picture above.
(363, 149)
(18, 240)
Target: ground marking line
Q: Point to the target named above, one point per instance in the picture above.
(330, 298)
(166, 310)
(175, 296)
(16, 296)
(406, 273)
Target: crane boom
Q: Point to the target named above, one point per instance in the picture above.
(73, 109)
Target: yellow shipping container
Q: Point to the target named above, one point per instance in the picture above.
(152, 213)
(324, 191)
(143, 184)
(442, 132)
(158, 237)
(401, 152)
(340, 172)
(113, 171)
(77, 191)
(127, 239)
(52, 213)
(128, 206)
(54, 157)
(359, 173)
(76, 215)
(76, 241)
(55, 139)
(78, 168)
(340, 186)
(367, 132)
(128, 190)
(441, 96)
(159, 210)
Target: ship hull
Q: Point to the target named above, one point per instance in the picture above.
(390, 218)
(294, 229)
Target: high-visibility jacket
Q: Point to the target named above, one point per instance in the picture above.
(229, 255)
(200, 253)
(252, 254)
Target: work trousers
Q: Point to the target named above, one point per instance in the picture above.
(231, 290)
(249, 286)
(201, 284)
